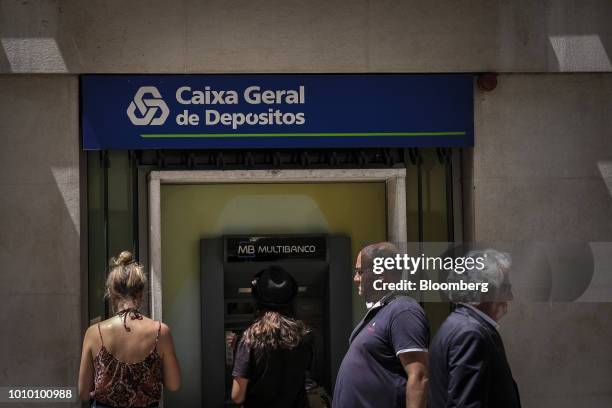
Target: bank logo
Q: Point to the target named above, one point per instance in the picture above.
(148, 108)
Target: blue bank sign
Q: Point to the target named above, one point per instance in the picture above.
(276, 111)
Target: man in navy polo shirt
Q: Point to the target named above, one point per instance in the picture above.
(386, 364)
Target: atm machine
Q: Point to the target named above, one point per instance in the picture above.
(322, 267)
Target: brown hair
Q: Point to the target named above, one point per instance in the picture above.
(273, 330)
(126, 279)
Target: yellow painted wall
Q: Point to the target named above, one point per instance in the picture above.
(192, 212)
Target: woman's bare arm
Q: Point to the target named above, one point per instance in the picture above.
(86, 370)
(239, 387)
(170, 365)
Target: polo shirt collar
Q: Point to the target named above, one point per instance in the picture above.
(383, 301)
(372, 305)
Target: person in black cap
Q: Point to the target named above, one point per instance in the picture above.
(273, 354)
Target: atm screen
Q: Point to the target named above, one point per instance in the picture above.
(240, 308)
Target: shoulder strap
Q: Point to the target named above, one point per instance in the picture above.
(157, 337)
(100, 332)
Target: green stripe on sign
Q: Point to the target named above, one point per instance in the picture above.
(222, 135)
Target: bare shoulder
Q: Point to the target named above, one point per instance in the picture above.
(93, 329)
(103, 324)
(148, 321)
(91, 332)
(164, 344)
(165, 335)
(164, 330)
(153, 325)
(91, 340)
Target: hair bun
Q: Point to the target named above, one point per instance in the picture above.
(124, 258)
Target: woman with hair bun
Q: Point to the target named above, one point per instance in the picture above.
(127, 358)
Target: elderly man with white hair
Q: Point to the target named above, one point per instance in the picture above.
(467, 360)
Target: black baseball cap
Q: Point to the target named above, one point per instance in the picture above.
(274, 287)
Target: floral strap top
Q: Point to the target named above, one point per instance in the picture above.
(121, 384)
